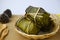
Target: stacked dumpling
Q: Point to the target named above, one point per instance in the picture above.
(35, 20)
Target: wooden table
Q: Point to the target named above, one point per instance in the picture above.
(13, 35)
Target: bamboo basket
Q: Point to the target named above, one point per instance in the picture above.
(43, 36)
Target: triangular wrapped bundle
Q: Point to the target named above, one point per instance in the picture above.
(28, 26)
(33, 12)
(40, 17)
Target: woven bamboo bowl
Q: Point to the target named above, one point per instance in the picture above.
(40, 36)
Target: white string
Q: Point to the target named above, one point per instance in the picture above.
(36, 13)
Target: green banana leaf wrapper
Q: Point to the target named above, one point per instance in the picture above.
(28, 26)
(40, 17)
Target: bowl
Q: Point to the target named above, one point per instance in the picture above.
(40, 36)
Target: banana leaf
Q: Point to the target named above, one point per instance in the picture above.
(32, 12)
(28, 26)
(31, 9)
(40, 17)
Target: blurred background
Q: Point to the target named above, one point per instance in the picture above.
(18, 6)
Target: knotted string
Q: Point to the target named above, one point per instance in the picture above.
(36, 14)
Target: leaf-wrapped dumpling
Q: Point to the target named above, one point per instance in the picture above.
(40, 17)
(28, 26)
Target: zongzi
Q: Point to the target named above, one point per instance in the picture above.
(41, 17)
(28, 26)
